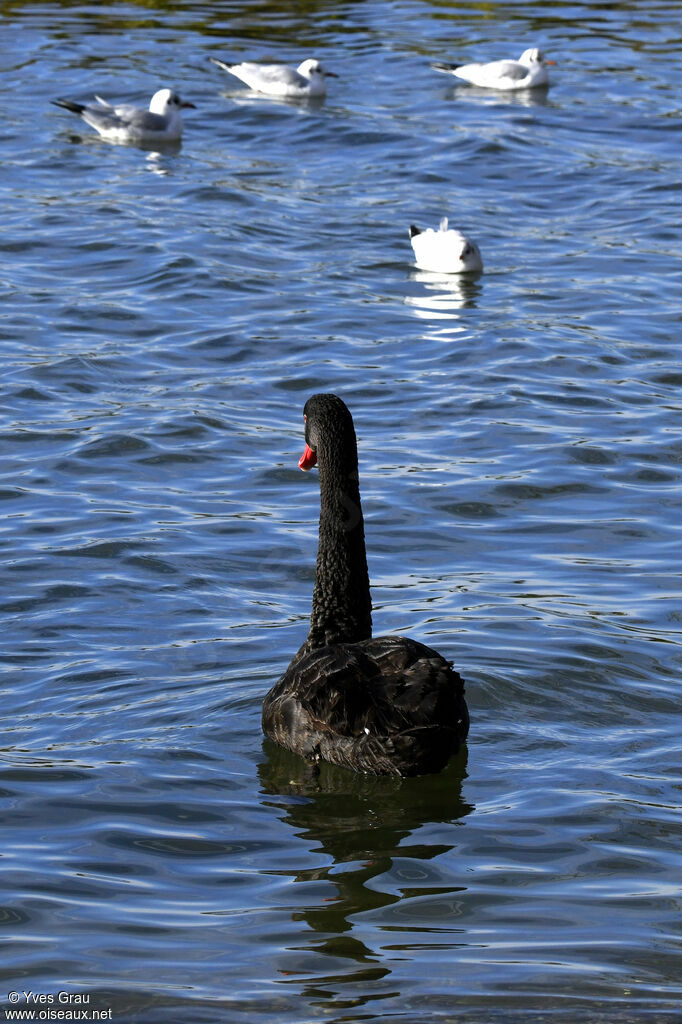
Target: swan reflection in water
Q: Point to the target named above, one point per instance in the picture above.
(385, 882)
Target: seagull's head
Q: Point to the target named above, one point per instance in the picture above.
(471, 256)
(165, 101)
(313, 69)
(531, 58)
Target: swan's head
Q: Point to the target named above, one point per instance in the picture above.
(166, 101)
(313, 69)
(326, 418)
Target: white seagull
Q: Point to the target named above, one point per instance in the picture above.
(126, 123)
(445, 251)
(528, 72)
(308, 79)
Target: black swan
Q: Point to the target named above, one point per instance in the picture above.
(384, 705)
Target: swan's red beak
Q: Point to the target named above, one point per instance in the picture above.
(308, 459)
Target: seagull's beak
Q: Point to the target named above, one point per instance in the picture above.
(550, 62)
(186, 103)
(330, 74)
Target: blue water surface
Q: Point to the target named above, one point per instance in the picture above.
(163, 318)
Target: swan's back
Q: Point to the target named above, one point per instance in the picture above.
(387, 706)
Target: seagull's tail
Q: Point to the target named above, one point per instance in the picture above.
(414, 230)
(76, 108)
(441, 66)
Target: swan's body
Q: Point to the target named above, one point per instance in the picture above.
(126, 123)
(446, 251)
(309, 79)
(528, 72)
(383, 705)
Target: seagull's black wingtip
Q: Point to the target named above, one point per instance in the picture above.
(76, 108)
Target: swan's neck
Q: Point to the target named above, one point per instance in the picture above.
(342, 607)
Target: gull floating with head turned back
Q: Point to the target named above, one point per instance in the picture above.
(446, 251)
(303, 82)
(126, 123)
(528, 72)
